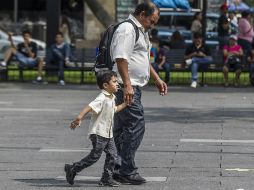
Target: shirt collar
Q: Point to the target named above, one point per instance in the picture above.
(108, 94)
(136, 22)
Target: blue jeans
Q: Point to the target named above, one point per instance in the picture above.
(245, 44)
(196, 62)
(166, 68)
(26, 61)
(58, 59)
(129, 129)
(251, 71)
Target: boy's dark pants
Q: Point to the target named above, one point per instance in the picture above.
(100, 144)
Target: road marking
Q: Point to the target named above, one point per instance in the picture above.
(6, 103)
(92, 178)
(64, 150)
(30, 109)
(240, 170)
(215, 141)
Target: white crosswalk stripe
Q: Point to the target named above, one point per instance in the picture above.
(215, 141)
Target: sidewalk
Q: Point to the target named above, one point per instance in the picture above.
(195, 138)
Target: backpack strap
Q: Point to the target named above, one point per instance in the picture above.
(134, 25)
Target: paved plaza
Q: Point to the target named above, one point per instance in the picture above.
(195, 138)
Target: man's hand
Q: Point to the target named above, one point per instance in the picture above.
(201, 54)
(162, 86)
(75, 123)
(128, 94)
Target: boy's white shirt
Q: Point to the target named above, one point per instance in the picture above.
(102, 120)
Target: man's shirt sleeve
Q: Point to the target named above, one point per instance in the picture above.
(123, 42)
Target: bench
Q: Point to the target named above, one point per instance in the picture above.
(175, 57)
(82, 60)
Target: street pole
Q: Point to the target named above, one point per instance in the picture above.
(15, 12)
(204, 10)
(53, 16)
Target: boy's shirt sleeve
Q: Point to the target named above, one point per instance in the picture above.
(97, 104)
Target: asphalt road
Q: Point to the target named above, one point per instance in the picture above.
(195, 139)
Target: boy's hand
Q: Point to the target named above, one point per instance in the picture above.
(75, 123)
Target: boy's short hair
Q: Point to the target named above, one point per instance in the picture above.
(60, 34)
(104, 77)
(26, 32)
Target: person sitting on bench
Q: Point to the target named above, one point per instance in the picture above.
(25, 53)
(59, 54)
(197, 54)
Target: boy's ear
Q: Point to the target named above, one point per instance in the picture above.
(105, 85)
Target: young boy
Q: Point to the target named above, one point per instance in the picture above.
(100, 130)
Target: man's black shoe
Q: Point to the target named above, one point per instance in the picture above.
(70, 174)
(119, 178)
(135, 179)
(108, 182)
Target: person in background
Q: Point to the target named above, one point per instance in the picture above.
(233, 23)
(196, 25)
(59, 54)
(196, 55)
(232, 59)
(245, 32)
(160, 62)
(25, 53)
(177, 41)
(155, 44)
(223, 27)
(64, 27)
(250, 59)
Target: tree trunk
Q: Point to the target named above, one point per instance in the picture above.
(100, 13)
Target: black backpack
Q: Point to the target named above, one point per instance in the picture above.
(103, 59)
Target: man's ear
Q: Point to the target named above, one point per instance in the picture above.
(142, 15)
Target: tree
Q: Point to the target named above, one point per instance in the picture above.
(249, 2)
(100, 13)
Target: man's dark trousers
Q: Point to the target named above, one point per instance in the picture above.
(129, 128)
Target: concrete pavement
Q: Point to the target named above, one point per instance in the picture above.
(195, 138)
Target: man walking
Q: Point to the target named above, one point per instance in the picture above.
(134, 70)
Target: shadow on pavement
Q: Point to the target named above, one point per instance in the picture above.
(198, 115)
(51, 182)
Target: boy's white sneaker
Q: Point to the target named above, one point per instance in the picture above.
(3, 64)
(188, 62)
(194, 84)
(61, 82)
(39, 79)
